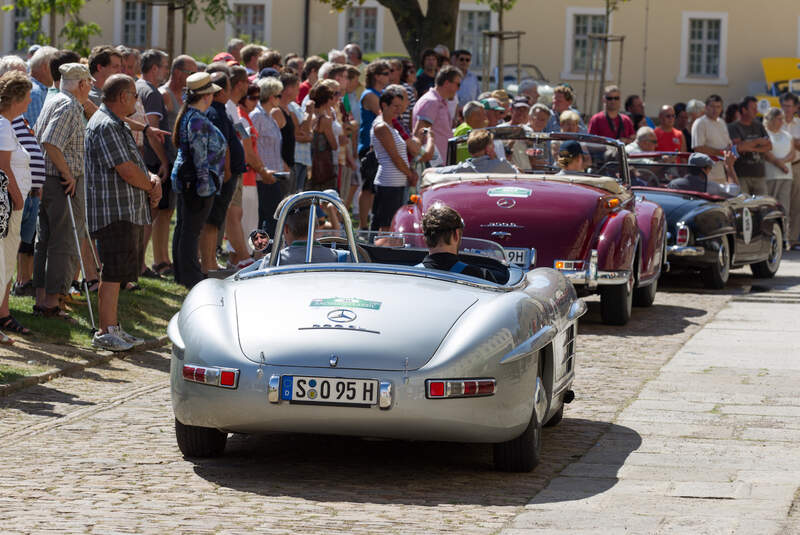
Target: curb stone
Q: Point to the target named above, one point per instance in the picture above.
(93, 358)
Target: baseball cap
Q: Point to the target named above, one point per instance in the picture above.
(521, 101)
(225, 57)
(200, 83)
(269, 71)
(75, 71)
(570, 148)
(698, 159)
(492, 104)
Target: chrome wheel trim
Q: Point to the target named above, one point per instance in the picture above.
(723, 258)
(775, 251)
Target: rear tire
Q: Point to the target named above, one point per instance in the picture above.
(716, 275)
(644, 296)
(766, 269)
(199, 441)
(521, 454)
(556, 418)
(616, 302)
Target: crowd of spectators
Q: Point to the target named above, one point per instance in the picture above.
(99, 154)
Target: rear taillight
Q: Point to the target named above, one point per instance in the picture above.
(222, 377)
(459, 388)
(568, 265)
(682, 236)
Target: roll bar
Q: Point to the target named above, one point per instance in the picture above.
(283, 209)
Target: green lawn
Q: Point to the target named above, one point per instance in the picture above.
(144, 313)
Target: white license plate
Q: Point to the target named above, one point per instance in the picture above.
(329, 390)
(517, 255)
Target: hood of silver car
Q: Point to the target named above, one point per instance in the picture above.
(347, 319)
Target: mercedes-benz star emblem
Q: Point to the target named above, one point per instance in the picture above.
(506, 202)
(341, 315)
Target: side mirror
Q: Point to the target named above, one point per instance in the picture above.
(259, 240)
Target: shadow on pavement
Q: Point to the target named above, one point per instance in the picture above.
(41, 400)
(657, 320)
(326, 468)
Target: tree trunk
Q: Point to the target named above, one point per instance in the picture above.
(184, 27)
(52, 23)
(605, 52)
(420, 31)
(501, 45)
(171, 30)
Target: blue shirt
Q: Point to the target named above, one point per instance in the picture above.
(219, 116)
(470, 88)
(367, 118)
(38, 94)
(553, 124)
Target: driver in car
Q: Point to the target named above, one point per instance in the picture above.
(443, 228)
(699, 182)
(483, 158)
(570, 157)
(295, 234)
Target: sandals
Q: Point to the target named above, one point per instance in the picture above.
(5, 340)
(53, 312)
(149, 273)
(164, 268)
(9, 323)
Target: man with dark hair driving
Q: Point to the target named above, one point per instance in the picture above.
(295, 235)
(443, 230)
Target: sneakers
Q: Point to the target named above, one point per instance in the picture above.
(111, 341)
(26, 289)
(135, 341)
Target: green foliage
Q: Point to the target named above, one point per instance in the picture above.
(75, 32)
(214, 11)
(497, 5)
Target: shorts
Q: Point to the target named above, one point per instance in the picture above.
(220, 207)
(236, 200)
(120, 247)
(369, 168)
(30, 213)
(168, 199)
(388, 200)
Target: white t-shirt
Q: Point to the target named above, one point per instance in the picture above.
(781, 147)
(714, 134)
(794, 130)
(20, 159)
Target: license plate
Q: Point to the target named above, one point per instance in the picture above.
(517, 255)
(329, 390)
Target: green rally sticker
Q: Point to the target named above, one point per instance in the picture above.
(347, 302)
(509, 191)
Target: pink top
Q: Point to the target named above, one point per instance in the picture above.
(431, 107)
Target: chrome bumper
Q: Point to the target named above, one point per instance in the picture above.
(592, 277)
(685, 250)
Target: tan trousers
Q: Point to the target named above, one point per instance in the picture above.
(794, 216)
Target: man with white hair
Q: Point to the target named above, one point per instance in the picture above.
(60, 130)
(530, 89)
(235, 47)
(645, 141)
(42, 80)
(337, 56)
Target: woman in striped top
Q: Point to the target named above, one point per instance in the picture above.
(394, 172)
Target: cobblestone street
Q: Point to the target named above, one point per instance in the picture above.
(96, 453)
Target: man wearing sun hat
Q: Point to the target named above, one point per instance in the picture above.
(495, 111)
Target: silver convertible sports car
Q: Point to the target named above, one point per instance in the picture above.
(375, 345)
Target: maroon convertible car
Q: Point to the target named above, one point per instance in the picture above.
(586, 224)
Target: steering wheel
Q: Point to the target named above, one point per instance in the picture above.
(363, 255)
(650, 178)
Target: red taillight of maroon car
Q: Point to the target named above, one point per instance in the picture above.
(222, 377)
(459, 388)
(683, 235)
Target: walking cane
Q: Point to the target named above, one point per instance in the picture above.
(80, 257)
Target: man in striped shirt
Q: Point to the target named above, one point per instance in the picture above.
(117, 189)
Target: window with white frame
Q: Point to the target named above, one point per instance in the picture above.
(362, 28)
(134, 24)
(249, 21)
(471, 25)
(704, 41)
(704, 47)
(583, 48)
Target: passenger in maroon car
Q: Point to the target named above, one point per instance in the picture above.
(483, 158)
(570, 157)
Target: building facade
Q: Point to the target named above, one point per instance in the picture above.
(672, 51)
